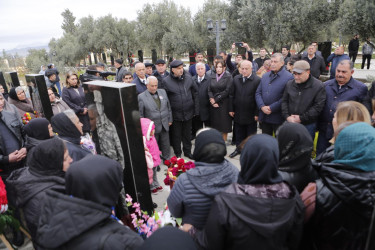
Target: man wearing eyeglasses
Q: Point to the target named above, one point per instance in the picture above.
(304, 98)
(127, 77)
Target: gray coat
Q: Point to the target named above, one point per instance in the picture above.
(120, 73)
(149, 109)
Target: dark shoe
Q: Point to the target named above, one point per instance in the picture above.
(154, 205)
(178, 155)
(189, 155)
(158, 168)
(235, 153)
(18, 238)
(233, 143)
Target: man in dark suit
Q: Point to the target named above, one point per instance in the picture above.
(141, 77)
(154, 105)
(243, 107)
(120, 70)
(202, 81)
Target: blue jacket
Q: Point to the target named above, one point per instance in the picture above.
(139, 85)
(335, 59)
(270, 92)
(352, 91)
(193, 70)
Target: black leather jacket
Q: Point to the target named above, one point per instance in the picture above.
(16, 127)
(345, 201)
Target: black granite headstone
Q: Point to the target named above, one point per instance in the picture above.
(14, 78)
(154, 56)
(39, 95)
(140, 55)
(115, 122)
(11, 79)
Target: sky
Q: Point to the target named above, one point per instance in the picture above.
(29, 23)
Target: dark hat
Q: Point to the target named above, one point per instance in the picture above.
(49, 72)
(50, 65)
(100, 64)
(119, 61)
(160, 61)
(149, 64)
(301, 66)
(176, 63)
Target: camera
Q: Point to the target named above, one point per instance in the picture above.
(239, 44)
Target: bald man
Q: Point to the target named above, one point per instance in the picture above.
(140, 79)
(243, 107)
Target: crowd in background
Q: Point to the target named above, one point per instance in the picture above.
(280, 198)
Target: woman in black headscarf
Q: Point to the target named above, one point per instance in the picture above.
(260, 210)
(194, 191)
(37, 130)
(295, 145)
(17, 97)
(69, 128)
(26, 187)
(92, 187)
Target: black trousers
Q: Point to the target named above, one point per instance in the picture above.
(269, 128)
(243, 131)
(197, 124)
(353, 55)
(364, 57)
(163, 142)
(181, 132)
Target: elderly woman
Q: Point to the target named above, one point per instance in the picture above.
(260, 210)
(194, 191)
(74, 96)
(57, 104)
(47, 165)
(295, 147)
(17, 97)
(218, 92)
(340, 204)
(69, 129)
(349, 111)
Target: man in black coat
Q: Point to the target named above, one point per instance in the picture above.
(202, 81)
(304, 98)
(317, 64)
(160, 73)
(183, 97)
(243, 106)
(353, 47)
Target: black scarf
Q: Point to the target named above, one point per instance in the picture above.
(47, 158)
(259, 160)
(295, 145)
(38, 128)
(65, 128)
(83, 178)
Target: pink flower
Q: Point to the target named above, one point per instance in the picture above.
(137, 208)
(128, 198)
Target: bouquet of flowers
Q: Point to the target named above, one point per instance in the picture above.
(145, 224)
(27, 117)
(176, 166)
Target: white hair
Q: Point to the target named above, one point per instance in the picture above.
(200, 64)
(19, 89)
(150, 78)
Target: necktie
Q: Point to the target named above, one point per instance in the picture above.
(243, 79)
(144, 82)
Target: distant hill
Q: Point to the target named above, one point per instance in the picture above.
(24, 51)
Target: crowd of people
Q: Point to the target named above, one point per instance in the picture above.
(280, 199)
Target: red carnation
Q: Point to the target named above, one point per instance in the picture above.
(167, 163)
(166, 180)
(174, 160)
(181, 162)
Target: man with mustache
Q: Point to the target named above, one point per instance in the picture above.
(343, 88)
